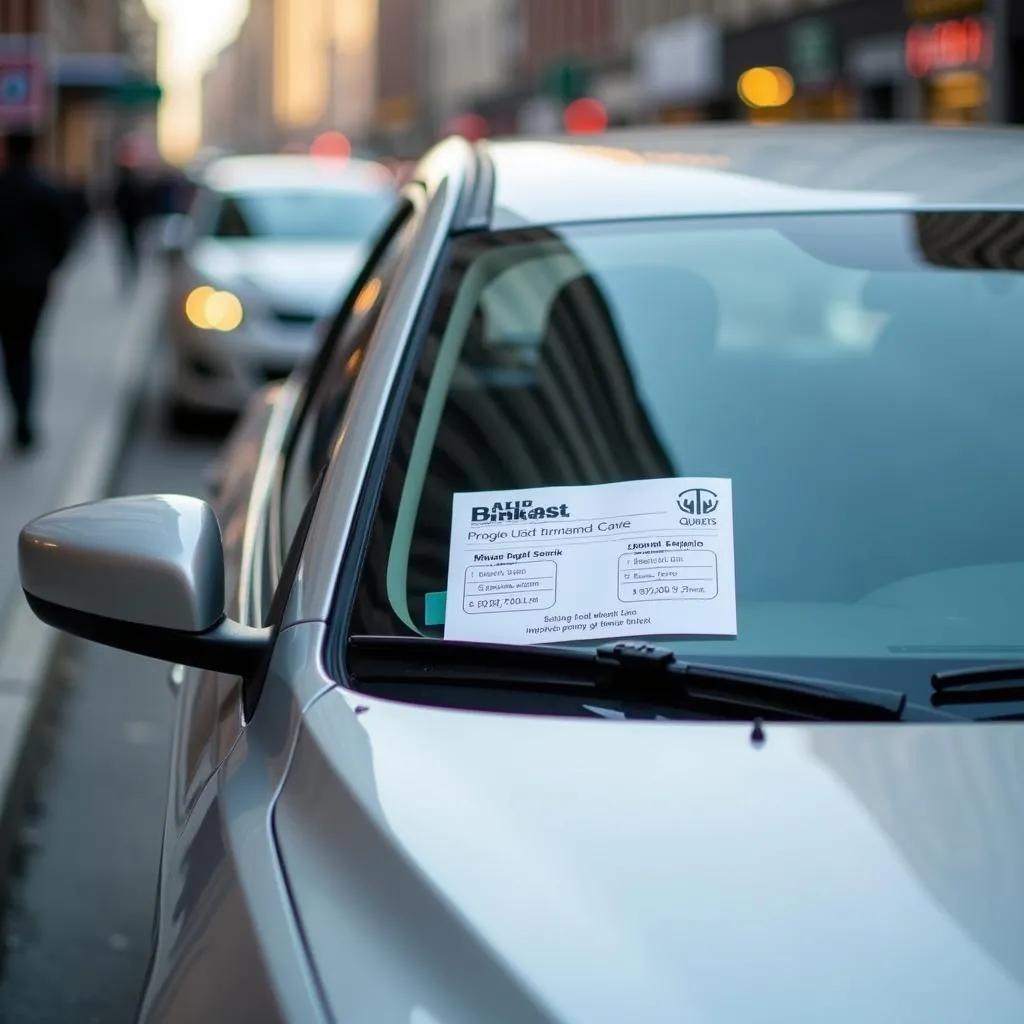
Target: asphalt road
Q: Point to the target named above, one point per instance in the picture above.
(79, 915)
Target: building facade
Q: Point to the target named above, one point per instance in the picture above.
(303, 53)
(96, 80)
(254, 128)
(558, 30)
(402, 119)
(139, 35)
(473, 46)
(296, 68)
(220, 99)
(352, 103)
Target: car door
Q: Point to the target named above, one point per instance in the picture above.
(247, 481)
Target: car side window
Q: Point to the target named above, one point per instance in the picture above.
(332, 379)
(231, 221)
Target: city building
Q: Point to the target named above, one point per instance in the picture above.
(92, 68)
(678, 68)
(219, 100)
(942, 61)
(555, 51)
(303, 54)
(139, 36)
(399, 73)
(352, 102)
(472, 49)
(252, 126)
(402, 121)
(295, 69)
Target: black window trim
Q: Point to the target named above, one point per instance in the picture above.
(346, 585)
(277, 545)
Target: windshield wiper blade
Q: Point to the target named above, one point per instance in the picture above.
(627, 672)
(986, 684)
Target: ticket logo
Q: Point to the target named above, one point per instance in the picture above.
(517, 512)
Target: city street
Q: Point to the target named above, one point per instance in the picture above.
(80, 909)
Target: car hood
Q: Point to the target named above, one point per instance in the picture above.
(454, 867)
(307, 277)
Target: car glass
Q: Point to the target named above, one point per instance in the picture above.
(333, 387)
(303, 215)
(855, 376)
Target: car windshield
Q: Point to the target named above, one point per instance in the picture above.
(303, 214)
(857, 377)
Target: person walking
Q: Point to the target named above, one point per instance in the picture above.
(132, 201)
(35, 235)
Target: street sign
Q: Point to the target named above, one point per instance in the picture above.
(24, 86)
(813, 50)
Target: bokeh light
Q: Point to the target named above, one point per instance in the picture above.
(585, 116)
(212, 310)
(331, 144)
(765, 87)
(195, 306)
(366, 299)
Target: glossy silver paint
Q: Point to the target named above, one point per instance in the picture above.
(154, 561)
(725, 169)
(228, 946)
(344, 858)
(221, 887)
(484, 867)
(209, 702)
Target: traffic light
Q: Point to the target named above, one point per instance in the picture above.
(567, 80)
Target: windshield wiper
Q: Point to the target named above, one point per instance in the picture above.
(626, 672)
(984, 685)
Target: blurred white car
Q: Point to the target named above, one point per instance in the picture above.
(268, 249)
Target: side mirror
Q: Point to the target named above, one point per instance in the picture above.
(142, 574)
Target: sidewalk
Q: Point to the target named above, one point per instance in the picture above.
(95, 342)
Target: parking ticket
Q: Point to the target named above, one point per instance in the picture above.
(639, 558)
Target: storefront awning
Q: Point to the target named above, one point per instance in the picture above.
(111, 76)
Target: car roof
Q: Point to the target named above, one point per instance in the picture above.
(753, 169)
(272, 171)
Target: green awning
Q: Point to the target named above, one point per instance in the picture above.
(110, 76)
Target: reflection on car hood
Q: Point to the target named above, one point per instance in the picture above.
(309, 277)
(493, 867)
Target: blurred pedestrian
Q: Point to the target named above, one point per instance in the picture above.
(34, 239)
(79, 209)
(132, 203)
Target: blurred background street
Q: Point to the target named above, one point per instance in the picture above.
(77, 928)
(393, 76)
(131, 103)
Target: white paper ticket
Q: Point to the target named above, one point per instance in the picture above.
(641, 558)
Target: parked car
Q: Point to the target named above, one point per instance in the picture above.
(270, 246)
(777, 784)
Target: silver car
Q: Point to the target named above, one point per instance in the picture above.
(808, 343)
(269, 248)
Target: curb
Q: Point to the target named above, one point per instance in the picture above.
(28, 648)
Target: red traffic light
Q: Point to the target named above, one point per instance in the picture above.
(585, 116)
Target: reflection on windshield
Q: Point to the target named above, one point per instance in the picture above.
(972, 241)
(862, 399)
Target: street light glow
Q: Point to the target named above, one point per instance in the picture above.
(765, 87)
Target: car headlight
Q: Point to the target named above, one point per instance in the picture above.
(210, 309)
